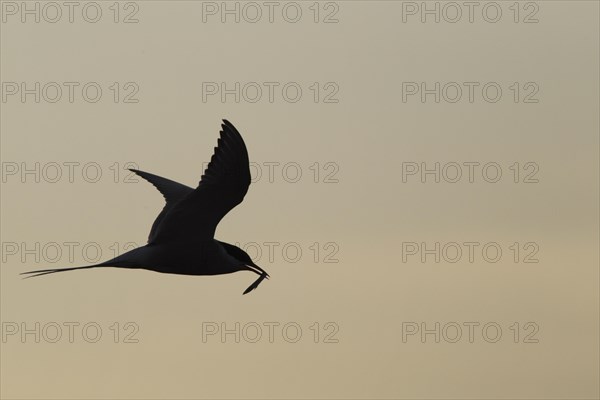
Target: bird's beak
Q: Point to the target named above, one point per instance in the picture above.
(260, 269)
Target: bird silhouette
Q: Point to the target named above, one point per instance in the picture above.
(181, 239)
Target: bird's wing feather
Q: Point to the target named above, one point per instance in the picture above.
(172, 192)
(223, 186)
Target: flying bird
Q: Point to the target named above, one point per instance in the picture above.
(181, 239)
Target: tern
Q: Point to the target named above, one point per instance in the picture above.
(181, 239)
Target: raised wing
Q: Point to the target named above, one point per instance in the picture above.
(222, 187)
(172, 192)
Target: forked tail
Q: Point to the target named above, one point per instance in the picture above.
(41, 272)
(132, 259)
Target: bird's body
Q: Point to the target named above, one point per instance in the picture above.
(206, 257)
(181, 240)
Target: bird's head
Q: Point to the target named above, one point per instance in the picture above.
(245, 258)
(242, 257)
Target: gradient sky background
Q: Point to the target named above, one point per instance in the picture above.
(371, 293)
